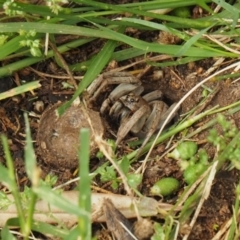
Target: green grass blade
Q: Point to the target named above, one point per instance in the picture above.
(50, 28)
(152, 5)
(203, 4)
(10, 46)
(233, 12)
(117, 56)
(175, 63)
(6, 234)
(234, 225)
(167, 49)
(74, 234)
(84, 223)
(98, 63)
(110, 34)
(21, 89)
(121, 9)
(5, 177)
(12, 67)
(55, 199)
(30, 158)
(191, 42)
(48, 229)
(33, 174)
(42, 227)
(10, 181)
(40, 10)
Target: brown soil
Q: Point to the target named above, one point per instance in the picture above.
(217, 208)
(176, 82)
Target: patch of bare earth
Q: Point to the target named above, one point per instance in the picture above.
(175, 82)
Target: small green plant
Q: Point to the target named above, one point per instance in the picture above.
(5, 202)
(113, 146)
(184, 151)
(11, 9)
(108, 173)
(192, 162)
(133, 179)
(193, 168)
(55, 5)
(50, 180)
(165, 186)
(222, 142)
(33, 44)
(159, 232)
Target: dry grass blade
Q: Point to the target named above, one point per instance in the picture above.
(205, 195)
(146, 207)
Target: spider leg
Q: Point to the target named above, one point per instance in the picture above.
(125, 128)
(154, 95)
(166, 114)
(159, 114)
(97, 86)
(152, 123)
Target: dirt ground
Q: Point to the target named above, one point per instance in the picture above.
(218, 207)
(174, 83)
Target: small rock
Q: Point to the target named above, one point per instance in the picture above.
(58, 137)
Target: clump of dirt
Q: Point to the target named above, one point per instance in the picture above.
(58, 137)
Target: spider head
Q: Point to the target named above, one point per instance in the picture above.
(132, 101)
